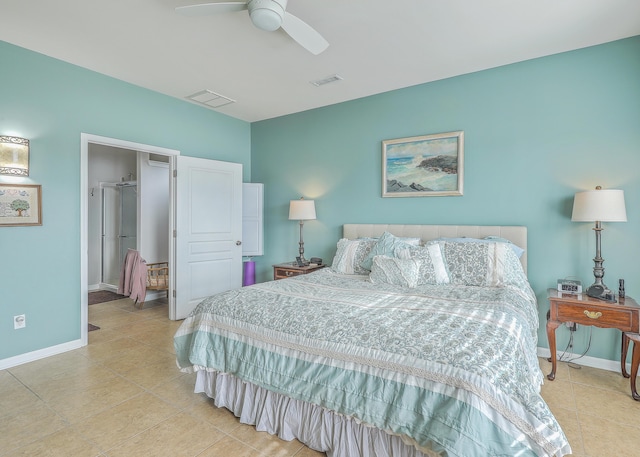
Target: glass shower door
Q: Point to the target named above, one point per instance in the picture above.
(119, 228)
(128, 220)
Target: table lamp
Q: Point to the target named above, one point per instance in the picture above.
(599, 206)
(302, 210)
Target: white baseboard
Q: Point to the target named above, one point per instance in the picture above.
(39, 354)
(593, 362)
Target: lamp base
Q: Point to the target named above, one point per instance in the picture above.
(601, 292)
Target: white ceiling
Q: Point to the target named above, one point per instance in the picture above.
(375, 45)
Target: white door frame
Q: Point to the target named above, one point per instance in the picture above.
(85, 139)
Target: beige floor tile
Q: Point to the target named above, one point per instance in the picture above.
(608, 405)
(154, 371)
(221, 418)
(77, 405)
(14, 396)
(155, 333)
(28, 425)
(229, 446)
(65, 443)
(558, 394)
(602, 379)
(116, 320)
(51, 367)
(115, 425)
(103, 335)
(52, 385)
(603, 438)
(179, 391)
(105, 350)
(568, 420)
(180, 435)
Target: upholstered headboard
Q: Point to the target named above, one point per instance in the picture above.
(515, 234)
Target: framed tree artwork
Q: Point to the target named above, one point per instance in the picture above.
(20, 204)
(423, 166)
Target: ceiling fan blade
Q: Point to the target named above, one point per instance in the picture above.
(302, 32)
(205, 9)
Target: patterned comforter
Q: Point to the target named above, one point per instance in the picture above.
(451, 369)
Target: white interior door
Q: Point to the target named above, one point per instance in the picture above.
(208, 224)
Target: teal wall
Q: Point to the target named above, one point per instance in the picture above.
(52, 103)
(535, 133)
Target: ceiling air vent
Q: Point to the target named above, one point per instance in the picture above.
(330, 79)
(210, 99)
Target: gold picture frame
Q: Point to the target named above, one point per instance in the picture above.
(20, 204)
(423, 166)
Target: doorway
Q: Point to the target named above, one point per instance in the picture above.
(89, 195)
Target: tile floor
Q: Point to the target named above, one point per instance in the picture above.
(122, 395)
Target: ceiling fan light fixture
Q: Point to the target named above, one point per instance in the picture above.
(267, 14)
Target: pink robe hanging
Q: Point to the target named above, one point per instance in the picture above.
(133, 276)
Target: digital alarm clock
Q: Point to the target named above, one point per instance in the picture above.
(569, 286)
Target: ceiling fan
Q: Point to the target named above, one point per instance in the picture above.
(267, 15)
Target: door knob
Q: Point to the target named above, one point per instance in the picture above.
(238, 243)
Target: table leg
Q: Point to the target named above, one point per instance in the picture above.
(635, 361)
(623, 355)
(551, 336)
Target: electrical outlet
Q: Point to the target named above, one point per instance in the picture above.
(572, 326)
(19, 321)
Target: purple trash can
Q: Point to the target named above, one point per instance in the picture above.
(249, 273)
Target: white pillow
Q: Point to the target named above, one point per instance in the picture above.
(490, 264)
(388, 245)
(399, 272)
(350, 254)
(433, 269)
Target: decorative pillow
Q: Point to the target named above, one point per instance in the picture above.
(492, 264)
(487, 239)
(391, 270)
(388, 245)
(517, 249)
(433, 269)
(350, 254)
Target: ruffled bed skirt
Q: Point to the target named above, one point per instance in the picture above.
(317, 427)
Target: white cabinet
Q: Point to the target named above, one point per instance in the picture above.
(252, 219)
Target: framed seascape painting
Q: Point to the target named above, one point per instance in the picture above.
(423, 166)
(20, 204)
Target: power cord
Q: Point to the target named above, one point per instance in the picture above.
(564, 357)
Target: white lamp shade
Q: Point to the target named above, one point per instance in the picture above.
(302, 210)
(599, 205)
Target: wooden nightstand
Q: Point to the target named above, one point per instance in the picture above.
(582, 309)
(289, 269)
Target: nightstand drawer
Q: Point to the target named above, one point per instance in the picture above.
(281, 273)
(600, 316)
(289, 270)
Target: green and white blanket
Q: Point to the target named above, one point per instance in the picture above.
(452, 369)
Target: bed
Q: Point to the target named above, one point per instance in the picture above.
(419, 340)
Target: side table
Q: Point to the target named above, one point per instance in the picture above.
(623, 315)
(287, 270)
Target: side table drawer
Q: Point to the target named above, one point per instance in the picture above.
(281, 273)
(595, 315)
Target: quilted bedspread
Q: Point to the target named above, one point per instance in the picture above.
(450, 369)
